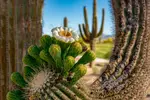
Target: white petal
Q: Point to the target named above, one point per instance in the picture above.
(76, 37)
(64, 38)
(61, 29)
(67, 39)
(54, 29)
(71, 40)
(70, 30)
(61, 38)
(58, 29)
(55, 33)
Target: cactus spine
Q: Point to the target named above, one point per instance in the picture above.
(87, 36)
(14, 37)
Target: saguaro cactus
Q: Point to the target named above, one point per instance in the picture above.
(127, 76)
(18, 26)
(65, 22)
(87, 36)
(51, 72)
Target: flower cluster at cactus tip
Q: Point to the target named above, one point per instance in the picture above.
(49, 64)
(65, 34)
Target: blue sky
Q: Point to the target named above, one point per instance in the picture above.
(55, 10)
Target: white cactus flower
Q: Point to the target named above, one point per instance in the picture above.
(65, 34)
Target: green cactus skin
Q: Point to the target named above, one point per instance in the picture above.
(15, 95)
(47, 70)
(17, 78)
(75, 49)
(87, 57)
(79, 71)
(28, 73)
(28, 60)
(64, 46)
(69, 62)
(55, 52)
(34, 51)
(45, 41)
(44, 54)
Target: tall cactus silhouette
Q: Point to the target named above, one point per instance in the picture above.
(87, 36)
(65, 22)
(18, 26)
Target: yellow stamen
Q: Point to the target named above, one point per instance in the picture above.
(65, 33)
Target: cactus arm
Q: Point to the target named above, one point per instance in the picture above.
(68, 92)
(94, 8)
(15, 95)
(65, 22)
(86, 23)
(77, 90)
(18, 79)
(87, 57)
(102, 24)
(55, 52)
(75, 49)
(94, 24)
(94, 27)
(28, 73)
(86, 31)
(83, 37)
(59, 93)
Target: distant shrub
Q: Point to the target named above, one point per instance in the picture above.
(108, 40)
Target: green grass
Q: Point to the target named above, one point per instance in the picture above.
(103, 50)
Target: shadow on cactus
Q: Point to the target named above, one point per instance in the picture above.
(51, 71)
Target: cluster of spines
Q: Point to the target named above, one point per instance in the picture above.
(50, 57)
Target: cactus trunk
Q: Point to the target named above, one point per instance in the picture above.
(93, 48)
(127, 76)
(92, 45)
(15, 37)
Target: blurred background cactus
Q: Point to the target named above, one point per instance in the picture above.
(65, 22)
(20, 26)
(87, 36)
(90, 37)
